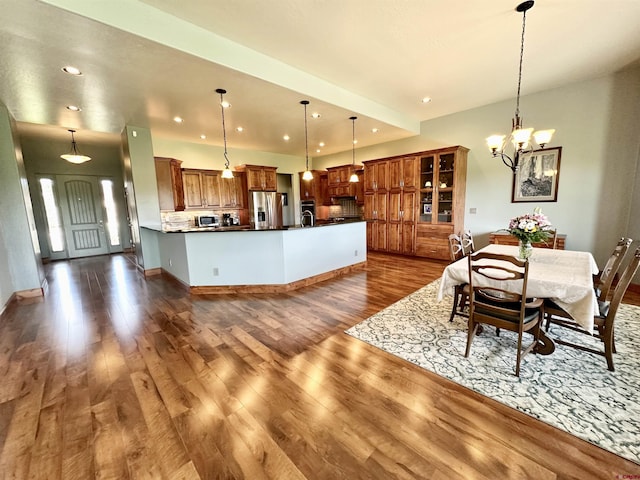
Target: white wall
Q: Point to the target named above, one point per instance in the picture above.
(596, 124)
(20, 267)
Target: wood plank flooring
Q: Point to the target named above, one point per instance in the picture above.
(112, 376)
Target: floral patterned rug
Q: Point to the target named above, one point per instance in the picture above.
(569, 389)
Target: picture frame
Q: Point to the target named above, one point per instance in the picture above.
(537, 177)
(426, 209)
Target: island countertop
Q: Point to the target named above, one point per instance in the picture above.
(247, 228)
(265, 260)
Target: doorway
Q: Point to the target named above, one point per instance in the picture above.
(82, 217)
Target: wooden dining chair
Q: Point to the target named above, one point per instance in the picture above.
(603, 320)
(604, 280)
(461, 292)
(456, 252)
(468, 246)
(552, 241)
(505, 308)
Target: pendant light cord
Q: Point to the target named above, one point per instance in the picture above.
(524, 19)
(306, 139)
(353, 141)
(224, 129)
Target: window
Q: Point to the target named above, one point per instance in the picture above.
(113, 227)
(56, 231)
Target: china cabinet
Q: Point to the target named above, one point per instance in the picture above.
(441, 199)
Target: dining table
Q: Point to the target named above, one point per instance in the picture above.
(563, 276)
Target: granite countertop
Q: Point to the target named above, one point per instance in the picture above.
(249, 228)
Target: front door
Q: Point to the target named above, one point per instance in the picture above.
(82, 216)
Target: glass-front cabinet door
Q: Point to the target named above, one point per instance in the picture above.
(437, 188)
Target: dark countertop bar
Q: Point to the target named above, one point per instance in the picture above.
(249, 228)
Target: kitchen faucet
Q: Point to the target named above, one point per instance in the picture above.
(306, 213)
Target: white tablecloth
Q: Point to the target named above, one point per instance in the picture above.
(564, 276)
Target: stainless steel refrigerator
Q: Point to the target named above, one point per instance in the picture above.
(265, 209)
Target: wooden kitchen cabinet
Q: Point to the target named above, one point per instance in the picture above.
(260, 178)
(201, 188)
(169, 181)
(395, 178)
(232, 191)
(313, 189)
(360, 187)
(338, 177)
(375, 214)
(424, 197)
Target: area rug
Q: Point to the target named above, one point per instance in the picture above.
(569, 389)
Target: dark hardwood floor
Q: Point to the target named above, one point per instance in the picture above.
(112, 376)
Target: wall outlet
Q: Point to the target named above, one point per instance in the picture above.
(216, 272)
(170, 263)
(473, 210)
(355, 254)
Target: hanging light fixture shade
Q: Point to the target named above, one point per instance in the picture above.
(226, 173)
(307, 175)
(520, 137)
(354, 176)
(74, 156)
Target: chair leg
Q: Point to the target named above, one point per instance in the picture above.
(470, 334)
(456, 297)
(607, 338)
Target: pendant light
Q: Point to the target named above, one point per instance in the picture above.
(74, 156)
(307, 175)
(226, 173)
(354, 176)
(520, 137)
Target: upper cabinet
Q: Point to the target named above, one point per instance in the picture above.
(201, 188)
(232, 191)
(338, 180)
(260, 178)
(169, 180)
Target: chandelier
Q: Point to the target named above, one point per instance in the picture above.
(520, 137)
(226, 173)
(74, 156)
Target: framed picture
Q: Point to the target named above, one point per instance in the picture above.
(426, 208)
(537, 177)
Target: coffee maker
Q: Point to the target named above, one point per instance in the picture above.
(227, 220)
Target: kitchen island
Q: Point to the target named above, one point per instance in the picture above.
(245, 260)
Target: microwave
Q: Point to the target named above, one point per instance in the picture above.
(207, 221)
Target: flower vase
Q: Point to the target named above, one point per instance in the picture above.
(524, 249)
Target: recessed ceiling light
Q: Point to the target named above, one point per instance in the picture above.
(355, 141)
(72, 70)
(315, 115)
(203, 136)
(374, 130)
(239, 129)
(426, 99)
(225, 104)
(321, 144)
(178, 119)
(286, 138)
(318, 150)
(73, 108)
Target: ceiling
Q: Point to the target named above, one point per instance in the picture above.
(146, 61)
